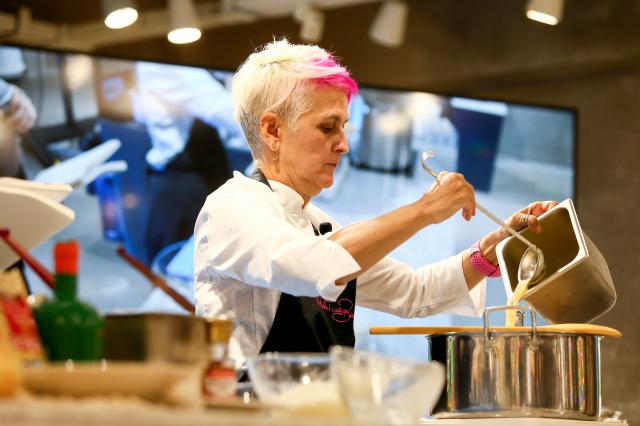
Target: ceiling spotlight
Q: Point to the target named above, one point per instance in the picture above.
(183, 22)
(311, 22)
(545, 11)
(389, 26)
(119, 13)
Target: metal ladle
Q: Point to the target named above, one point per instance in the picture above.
(532, 264)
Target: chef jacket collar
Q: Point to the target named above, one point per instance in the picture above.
(291, 201)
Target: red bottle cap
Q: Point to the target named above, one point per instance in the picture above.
(67, 254)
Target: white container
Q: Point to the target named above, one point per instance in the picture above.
(577, 284)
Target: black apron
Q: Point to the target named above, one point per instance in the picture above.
(311, 324)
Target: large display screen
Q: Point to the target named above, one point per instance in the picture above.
(152, 140)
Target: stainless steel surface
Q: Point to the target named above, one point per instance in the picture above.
(519, 317)
(532, 263)
(518, 374)
(156, 337)
(577, 286)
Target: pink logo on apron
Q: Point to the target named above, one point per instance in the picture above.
(341, 310)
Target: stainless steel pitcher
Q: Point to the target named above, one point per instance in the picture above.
(577, 286)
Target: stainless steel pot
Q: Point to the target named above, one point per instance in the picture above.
(526, 373)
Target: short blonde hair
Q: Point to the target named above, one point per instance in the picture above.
(278, 78)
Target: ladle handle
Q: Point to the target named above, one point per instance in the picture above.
(507, 227)
(490, 215)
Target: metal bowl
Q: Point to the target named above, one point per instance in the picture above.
(164, 337)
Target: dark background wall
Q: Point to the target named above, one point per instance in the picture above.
(487, 48)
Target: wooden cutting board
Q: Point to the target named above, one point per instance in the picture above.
(54, 192)
(31, 219)
(590, 329)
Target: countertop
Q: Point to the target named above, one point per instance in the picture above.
(28, 410)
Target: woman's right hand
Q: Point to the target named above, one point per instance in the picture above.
(450, 193)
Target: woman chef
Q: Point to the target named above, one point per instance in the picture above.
(286, 272)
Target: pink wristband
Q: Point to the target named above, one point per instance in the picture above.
(481, 263)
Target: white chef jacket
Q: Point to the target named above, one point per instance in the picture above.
(252, 243)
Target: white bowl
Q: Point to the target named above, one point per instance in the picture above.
(383, 389)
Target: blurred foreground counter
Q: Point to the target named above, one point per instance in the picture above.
(28, 410)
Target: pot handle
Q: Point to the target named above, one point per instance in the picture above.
(487, 311)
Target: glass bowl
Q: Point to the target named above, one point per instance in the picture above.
(296, 381)
(383, 389)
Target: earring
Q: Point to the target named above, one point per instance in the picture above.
(275, 155)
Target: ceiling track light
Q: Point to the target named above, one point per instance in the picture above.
(311, 22)
(183, 27)
(119, 13)
(389, 25)
(546, 11)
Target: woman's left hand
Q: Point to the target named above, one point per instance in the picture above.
(526, 217)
